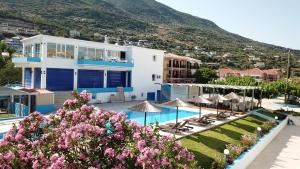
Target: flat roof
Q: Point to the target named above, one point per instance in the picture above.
(6, 91)
(216, 86)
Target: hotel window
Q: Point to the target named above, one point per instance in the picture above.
(70, 51)
(99, 54)
(154, 58)
(113, 54)
(37, 50)
(153, 77)
(60, 50)
(28, 51)
(123, 55)
(82, 52)
(91, 54)
(51, 49)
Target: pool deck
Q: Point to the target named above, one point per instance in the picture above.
(283, 152)
(269, 104)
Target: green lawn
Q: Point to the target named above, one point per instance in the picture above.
(272, 114)
(7, 115)
(206, 145)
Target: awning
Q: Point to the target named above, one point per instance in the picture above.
(5, 91)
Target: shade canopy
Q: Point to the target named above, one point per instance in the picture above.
(232, 96)
(145, 107)
(218, 98)
(200, 99)
(177, 103)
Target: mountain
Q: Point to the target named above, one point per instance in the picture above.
(132, 20)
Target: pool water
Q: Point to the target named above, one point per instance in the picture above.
(286, 105)
(168, 114)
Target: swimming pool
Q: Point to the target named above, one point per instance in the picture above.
(286, 105)
(168, 114)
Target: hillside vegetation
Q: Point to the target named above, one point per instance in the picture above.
(132, 20)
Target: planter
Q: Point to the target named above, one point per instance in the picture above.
(246, 158)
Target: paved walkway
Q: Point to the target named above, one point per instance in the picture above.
(283, 152)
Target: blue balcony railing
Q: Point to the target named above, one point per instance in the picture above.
(25, 59)
(104, 90)
(104, 63)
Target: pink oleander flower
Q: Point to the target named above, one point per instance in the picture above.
(110, 152)
(78, 136)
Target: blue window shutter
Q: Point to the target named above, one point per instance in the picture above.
(116, 79)
(151, 96)
(27, 77)
(60, 79)
(129, 79)
(90, 78)
(37, 78)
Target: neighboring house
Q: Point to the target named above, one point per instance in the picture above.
(260, 65)
(179, 69)
(17, 26)
(74, 34)
(258, 74)
(15, 43)
(63, 64)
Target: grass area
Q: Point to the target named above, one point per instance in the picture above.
(206, 145)
(7, 115)
(272, 114)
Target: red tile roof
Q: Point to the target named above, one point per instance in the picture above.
(254, 71)
(228, 71)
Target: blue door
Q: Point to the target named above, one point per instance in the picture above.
(27, 77)
(59, 79)
(158, 96)
(116, 79)
(90, 78)
(151, 96)
(37, 78)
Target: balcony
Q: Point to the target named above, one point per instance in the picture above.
(110, 63)
(104, 90)
(24, 59)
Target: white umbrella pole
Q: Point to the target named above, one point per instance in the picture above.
(231, 107)
(199, 111)
(217, 107)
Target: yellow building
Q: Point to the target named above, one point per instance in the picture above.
(179, 69)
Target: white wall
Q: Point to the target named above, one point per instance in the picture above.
(144, 67)
(180, 92)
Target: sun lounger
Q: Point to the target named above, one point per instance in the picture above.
(203, 121)
(219, 116)
(172, 127)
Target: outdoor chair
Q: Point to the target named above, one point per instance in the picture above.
(173, 128)
(203, 121)
(219, 116)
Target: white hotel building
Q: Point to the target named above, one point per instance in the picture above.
(62, 65)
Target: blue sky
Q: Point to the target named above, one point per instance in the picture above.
(271, 21)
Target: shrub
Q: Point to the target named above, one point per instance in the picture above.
(234, 150)
(79, 136)
(248, 140)
(266, 126)
(219, 162)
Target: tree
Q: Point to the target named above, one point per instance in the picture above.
(8, 72)
(205, 75)
(236, 80)
(277, 88)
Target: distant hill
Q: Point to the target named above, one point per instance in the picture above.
(131, 20)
